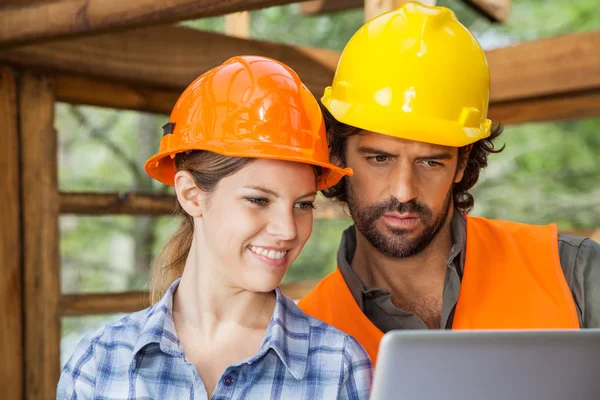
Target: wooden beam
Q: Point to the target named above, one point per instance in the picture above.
(541, 75)
(109, 303)
(318, 7)
(166, 57)
(374, 8)
(554, 66)
(149, 204)
(494, 10)
(103, 303)
(571, 106)
(115, 203)
(11, 272)
(41, 235)
(75, 89)
(96, 92)
(238, 24)
(73, 18)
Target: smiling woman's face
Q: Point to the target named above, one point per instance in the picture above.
(256, 221)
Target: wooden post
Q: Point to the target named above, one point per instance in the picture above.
(238, 24)
(374, 8)
(40, 199)
(11, 273)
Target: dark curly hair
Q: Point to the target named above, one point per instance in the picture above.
(338, 132)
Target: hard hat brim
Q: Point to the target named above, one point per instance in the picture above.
(161, 166)
(405, 126)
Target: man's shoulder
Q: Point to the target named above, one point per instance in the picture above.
(577, 251)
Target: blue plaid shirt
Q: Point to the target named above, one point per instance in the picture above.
(140, 357)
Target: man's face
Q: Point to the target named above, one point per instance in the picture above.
(401, 192)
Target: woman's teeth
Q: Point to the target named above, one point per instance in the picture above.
(275, 255)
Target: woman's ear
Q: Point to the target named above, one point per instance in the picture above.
(189, 194)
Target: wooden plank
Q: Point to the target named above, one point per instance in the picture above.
(318, 7)
(494, 10)
(21, 3)
(103, 303)
(554, 66)
(166, 57)
(11, 272)
(115, 203)
(41, 236)
(374, 8)
(73, 18)
(552, 108)
(87, 91)
(238, 24)
(96, 92)
(149, 204)
(108, 303)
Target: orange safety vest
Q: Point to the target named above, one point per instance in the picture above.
(512, 279)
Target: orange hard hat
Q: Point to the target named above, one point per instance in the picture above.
(251, 107)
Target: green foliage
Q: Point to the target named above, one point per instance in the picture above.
(548, 172)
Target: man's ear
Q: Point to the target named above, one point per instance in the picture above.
(189, 194)
(463, 160)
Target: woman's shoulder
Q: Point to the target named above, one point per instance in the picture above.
(117, 337)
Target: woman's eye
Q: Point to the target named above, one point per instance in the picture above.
(307, 205)
(378, 159)
(259, 201)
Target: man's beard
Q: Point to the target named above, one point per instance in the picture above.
(397, 244)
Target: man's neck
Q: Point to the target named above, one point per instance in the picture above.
(417, 277)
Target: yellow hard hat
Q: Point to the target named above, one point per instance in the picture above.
(414, 73)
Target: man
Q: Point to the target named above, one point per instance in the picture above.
(407, 111)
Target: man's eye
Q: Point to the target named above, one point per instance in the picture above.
(378, 159)
(431, 163)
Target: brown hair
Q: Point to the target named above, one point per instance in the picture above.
(338, 132)
(207, 169)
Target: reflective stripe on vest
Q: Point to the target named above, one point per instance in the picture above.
(512, 279)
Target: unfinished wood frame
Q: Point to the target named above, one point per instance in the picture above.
(112, 303)
(39, 187)
(166, 57)
(11, 272)
(102, 303)
(91, 304)
(151, 204)
(47, 20)
(494, 10)
(565, 67)
(35, 21)
(374, 8)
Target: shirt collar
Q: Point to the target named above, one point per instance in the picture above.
(458, 232)
(159, 327)
(287, 334)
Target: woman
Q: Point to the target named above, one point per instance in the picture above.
(246, 151)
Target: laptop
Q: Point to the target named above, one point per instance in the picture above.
(488, 365)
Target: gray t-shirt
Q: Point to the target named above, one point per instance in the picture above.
(579, 258)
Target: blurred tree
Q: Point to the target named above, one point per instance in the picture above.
(548, 172)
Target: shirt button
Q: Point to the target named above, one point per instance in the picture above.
(228, 380)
